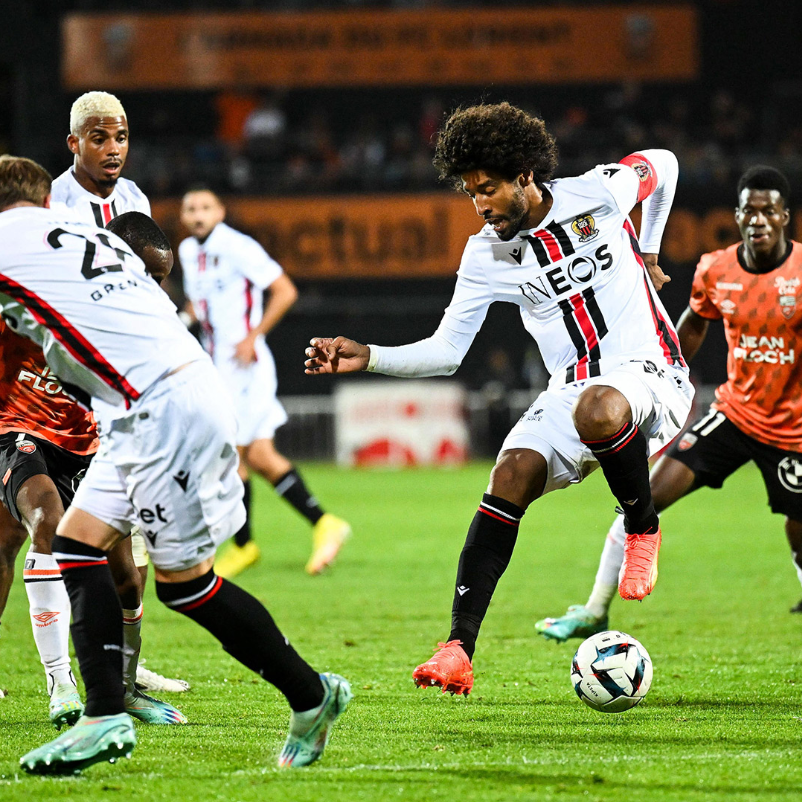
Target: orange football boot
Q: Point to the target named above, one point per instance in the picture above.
(449, 669)
(639, 570)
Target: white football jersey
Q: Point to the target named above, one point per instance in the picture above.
(578, 278)
(107, 329)
(67, 193)
(225, 278)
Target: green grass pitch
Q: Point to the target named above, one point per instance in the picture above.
(723, 720)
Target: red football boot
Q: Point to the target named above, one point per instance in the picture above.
(639, 570)
(449, 669)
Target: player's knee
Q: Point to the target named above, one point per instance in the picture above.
(127, 581)
(600, 412)
(43, 521)
(129, 588)
(519, 476)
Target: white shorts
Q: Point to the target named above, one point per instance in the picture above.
(660, 399)
(253, 390)
(170, 466)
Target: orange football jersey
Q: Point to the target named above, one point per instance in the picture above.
(32, 400)
(762, 316)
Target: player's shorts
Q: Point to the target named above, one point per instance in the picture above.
(660, 399)
(259, 413)
(170, 465)
(714, 448)
(22, 456)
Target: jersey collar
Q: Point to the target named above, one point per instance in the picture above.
(780, 263)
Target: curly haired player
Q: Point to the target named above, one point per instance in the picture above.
(566, 252)
(753, 287)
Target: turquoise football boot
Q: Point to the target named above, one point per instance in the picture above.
(309, 731)
(578, 622)
(152, 711)
(91, 740)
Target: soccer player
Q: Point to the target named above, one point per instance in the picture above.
(167, 459)
(566, 252)
(225, 275)
(754, 287)
(94, 189)
(46, 444)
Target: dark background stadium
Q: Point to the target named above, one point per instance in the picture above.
(745, 107)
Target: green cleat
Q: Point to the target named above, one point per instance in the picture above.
(91, 740)
(309, 731)
(66, 706)
(578, 622)
(152, 711)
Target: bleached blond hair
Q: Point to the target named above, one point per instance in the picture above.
(93, 104)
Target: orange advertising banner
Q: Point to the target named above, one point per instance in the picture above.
(410, 236)
(390, 48)
(379, 236)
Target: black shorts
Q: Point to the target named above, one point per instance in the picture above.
(23, 456)
(714, 448)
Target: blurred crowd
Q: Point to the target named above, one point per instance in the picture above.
(249, 142)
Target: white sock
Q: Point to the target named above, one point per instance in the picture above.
(132, 643)
(606, 584)
(50, 614)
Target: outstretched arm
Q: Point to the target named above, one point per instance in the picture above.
(438, 355)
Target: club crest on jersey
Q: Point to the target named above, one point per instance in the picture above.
(642, 170)
(26, 446)
(584, 227)
(787, 295)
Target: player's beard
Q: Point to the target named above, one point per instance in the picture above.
(515, 215)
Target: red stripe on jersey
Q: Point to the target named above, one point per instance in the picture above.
(645, 171)
(106, 207)
(551, 244)
(78, 346)
(665, 330)
(588, 332)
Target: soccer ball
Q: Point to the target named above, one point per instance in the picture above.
(611, 672)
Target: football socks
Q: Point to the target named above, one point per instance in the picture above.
(606, 585)
(624, 458)
(247, 632)
(292, 489)
(132, 644)
(485, 556)
(244, 533)
(97, 628)
(50, 611)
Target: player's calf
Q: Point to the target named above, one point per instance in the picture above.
(247, 632)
